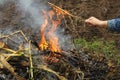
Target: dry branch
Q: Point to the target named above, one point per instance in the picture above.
(9, 67)
(60, 10)
(50, 70)
(2, 44)
(20, 31)
(64, 12)
(31, 62)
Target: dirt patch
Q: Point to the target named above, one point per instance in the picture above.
(79, 65)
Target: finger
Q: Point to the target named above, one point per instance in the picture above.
(87, 21)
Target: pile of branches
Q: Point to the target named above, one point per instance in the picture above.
(21, 59)
(25, 61)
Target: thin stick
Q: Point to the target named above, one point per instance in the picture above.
(80, 72)
(9, 50)
(24, 35)
(17, 53)
(9, 55)
(2, 44)
(10, 34)
(13, 52)
(20, 31)
(64, 11)
(50, 70)
(31, 63)
(10, 68)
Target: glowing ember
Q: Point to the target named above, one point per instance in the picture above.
(52, 58)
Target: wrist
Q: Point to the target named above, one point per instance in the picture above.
(103, 24)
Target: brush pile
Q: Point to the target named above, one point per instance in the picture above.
(28, 53)
(25, 61)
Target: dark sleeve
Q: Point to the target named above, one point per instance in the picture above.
(114, 24)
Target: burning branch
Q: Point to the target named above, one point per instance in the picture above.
(64, 12)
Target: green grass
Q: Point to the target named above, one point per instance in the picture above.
(118, 61)
(107, 48)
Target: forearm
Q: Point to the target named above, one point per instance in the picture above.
(103, 24)
(114, 24)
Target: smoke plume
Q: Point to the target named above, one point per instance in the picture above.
(2, 2)
(31, 9)
(32, 12)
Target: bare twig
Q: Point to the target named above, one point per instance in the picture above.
(20, 31)
(31, 63)
(13, 52)
(9, 55)
(65, 12)
(80, 72)
(5, 57)
(9, 50)
(61, 10)
(50, 70)
(24, 35)
(2, 44)
(10, 68)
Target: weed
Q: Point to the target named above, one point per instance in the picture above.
(118, 61)
(107, 48)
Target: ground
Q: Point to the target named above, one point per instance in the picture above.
(10, 17)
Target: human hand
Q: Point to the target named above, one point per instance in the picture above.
(92, 21)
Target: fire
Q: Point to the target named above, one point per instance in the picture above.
(60, 11)
(54, 44)
(43, 43)
(49, 40)
(48, 29)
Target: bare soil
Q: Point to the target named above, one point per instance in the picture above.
(10, 17)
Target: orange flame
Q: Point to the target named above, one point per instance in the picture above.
(52, 38)
(54, 44)
(48, 28)
(43, 43)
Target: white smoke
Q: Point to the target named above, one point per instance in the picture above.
(2, 2)
(64, 40)
(31, 9)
